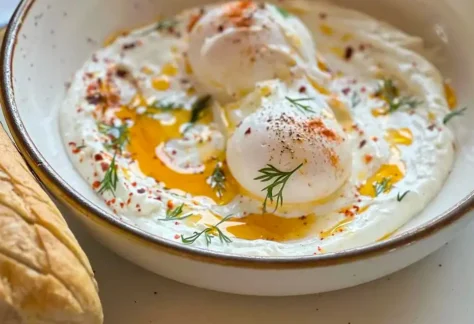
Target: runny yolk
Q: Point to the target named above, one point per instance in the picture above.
(271, 227)
(147, 133)
(160, 83)
(401, 136)
(387, 173)
(450, 96)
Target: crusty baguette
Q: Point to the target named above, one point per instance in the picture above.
(45, 277)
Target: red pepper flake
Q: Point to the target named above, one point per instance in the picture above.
(104, 166)
(323, 15)
(129, 46)
(95, 99)
(96, 184)
(302, 89)
(368, 158)
(121, 73)
(362, 143)
(374, 138)
(139, 210)
(248, 131)
(107, 203)
(193, 21)
(176, 237)
(361, 47)
(122, 205)
(363, 89)
(220, 28)
(137, 206)
(176, 223)
(134, 184)
(98, 157)
(348, 52)
(319, 249)
(113, 201)
(96, 174)
(141, 191)
(346, 91)
(76, 150)
(129, 201)
(71, 144)
(169, 204)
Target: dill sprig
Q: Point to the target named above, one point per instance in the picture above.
(158, 107)
(382, 186)
(279, 180)
(400, 197)
(198, 108)
(166, 24)
(174, 214)
(217, 180)
(120, 135)
(298, 103)
(109, 182)
(355, 99)
(454, 113)
(390, 93)
(209, 233)
(282, 11)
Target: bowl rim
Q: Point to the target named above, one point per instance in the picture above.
(75, 201)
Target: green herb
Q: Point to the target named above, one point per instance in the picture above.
(390, 93)
(282, 11)
(457, 112)
(80, 147)
(198, 108)
(400, 197)
(173, 214)
(298, 103)
(158, 107)
(381, 186)
(120, 135)
(217, 180)
(209, 233)
(355, 99)
(109, 182)
(279, 178)
(166, 24)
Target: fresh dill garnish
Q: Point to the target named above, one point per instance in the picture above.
(109, 182)
(400, 197)
(217, 180)
(390, 93)
(298, 103)
(381, 186)
(158, 107)
(198, 108)
(166, 24)
(355, 99)
(279, 178)
(209, 233)
(174, 214)
(282, 11)
(454, 113)
(120, 135)
(80, 147)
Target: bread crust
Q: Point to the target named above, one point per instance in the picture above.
(45, 277)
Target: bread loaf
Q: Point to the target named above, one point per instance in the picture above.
(45, 277)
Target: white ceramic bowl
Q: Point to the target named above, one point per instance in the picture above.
(49, 39)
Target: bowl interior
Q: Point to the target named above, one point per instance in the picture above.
(56, 37)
